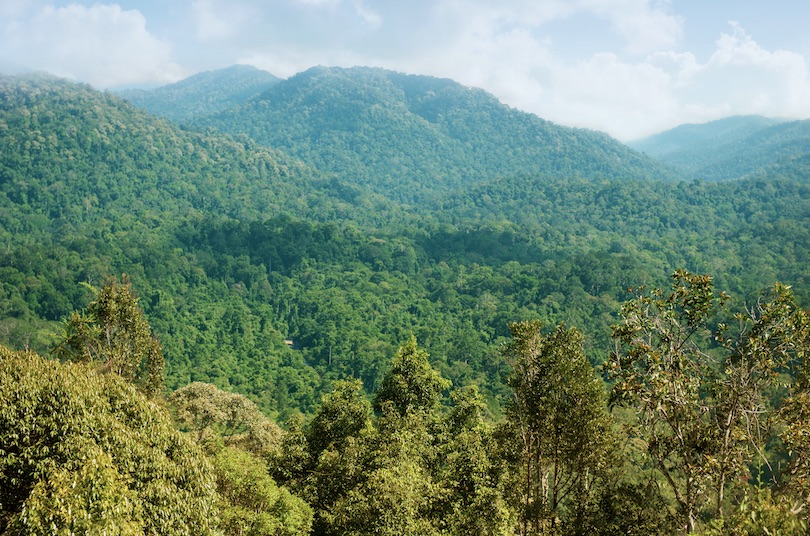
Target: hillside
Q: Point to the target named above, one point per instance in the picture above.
(729, 148)
(75, 154)
(202, 94)
(413, 137)
(91, 187)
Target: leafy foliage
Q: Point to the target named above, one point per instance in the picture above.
(704, 413)
(208, 413)
(254, 504)
(114, 334)
(87, 452)
(411, 385)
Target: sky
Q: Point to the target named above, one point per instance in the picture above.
(630, 68)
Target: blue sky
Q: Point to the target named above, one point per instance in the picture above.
(626, 67)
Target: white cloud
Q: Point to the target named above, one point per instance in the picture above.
(102, 44)
(10, 9)
(222, 21)
(645, 26)
(505, 48)
(616, 65)
(368, 16)
(742, 77)
(623, 92)
(318, 2)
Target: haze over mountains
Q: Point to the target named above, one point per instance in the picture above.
(730, 148)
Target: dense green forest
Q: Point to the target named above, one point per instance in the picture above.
(377, 296)
(413, 137)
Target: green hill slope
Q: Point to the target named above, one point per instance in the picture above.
(678, 143)
(412, 137)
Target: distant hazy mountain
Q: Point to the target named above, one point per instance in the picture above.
(730, 148)
(202, 94)
(694, 136)
(412, 137)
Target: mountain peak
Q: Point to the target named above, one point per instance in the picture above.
(416, 136)
(204, 93)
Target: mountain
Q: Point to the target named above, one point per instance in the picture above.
(729, 148)
(76, 154)
(236, 248)
(767, 148)
(694, 137)
(263, 276)
(202, 94)
(413, 137)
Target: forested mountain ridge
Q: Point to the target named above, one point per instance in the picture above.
(414, 137)
(203, 93)
(693, 137)
(66, 147)
(730, 148)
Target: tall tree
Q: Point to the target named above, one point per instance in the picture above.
(113, 333)
(796, 435)
(342, 414)
(469, 472)
(699, 395)
(411, 385)
(338, 448)
(559, 418)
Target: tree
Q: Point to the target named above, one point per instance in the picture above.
(239, 441)
(252, 502)
(343, 413)
(559, 418)
(368, 479)
(87, 453)
(208, 412)
(469, 472)
(113, 333)
(700, 397)
(393, 491)
(796, 435)
(411, 385)
(338, 448)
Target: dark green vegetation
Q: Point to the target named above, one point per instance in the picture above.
(427, 210)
